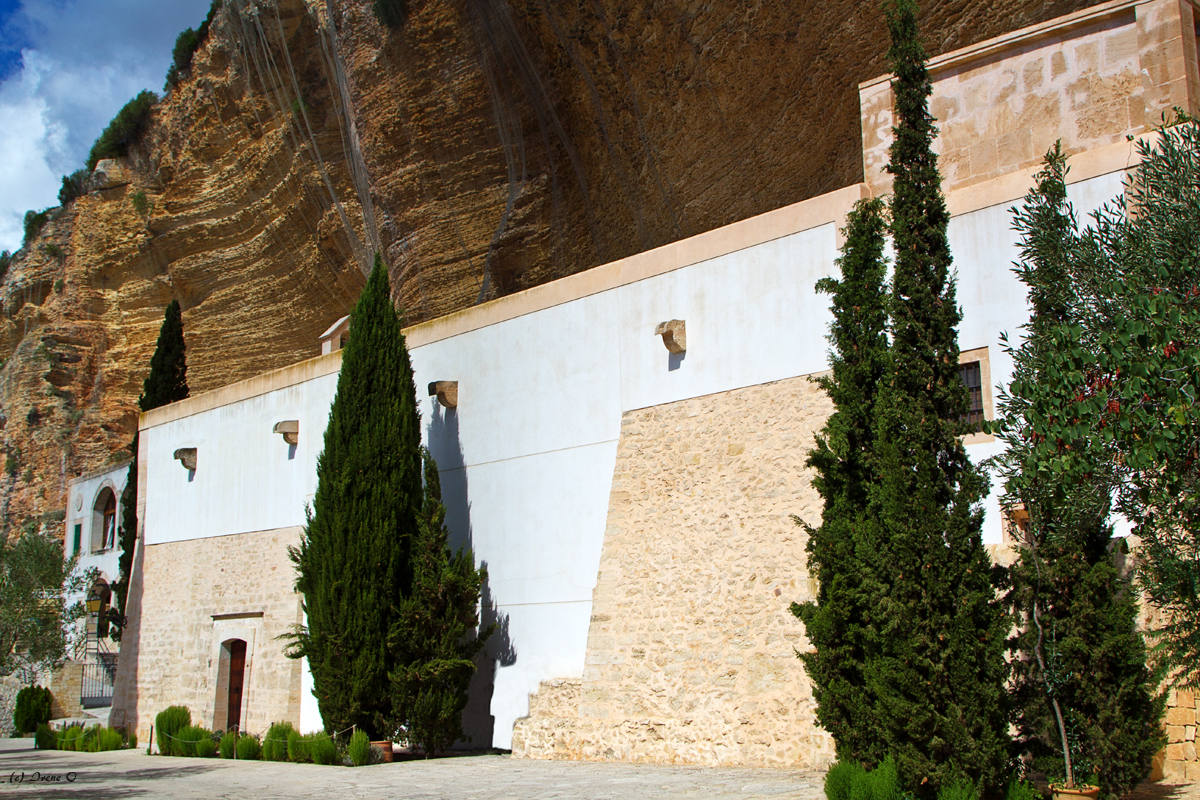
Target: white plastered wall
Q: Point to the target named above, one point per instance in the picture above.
(82, 495)
(527, 457)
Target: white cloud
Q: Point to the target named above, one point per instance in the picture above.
(81, 61)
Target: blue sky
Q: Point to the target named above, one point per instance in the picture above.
(66, 67)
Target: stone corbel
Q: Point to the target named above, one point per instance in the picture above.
(187, 457)
(674, 335)
(446, 392)
(290, 428)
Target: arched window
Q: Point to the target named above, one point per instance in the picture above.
(104, 521)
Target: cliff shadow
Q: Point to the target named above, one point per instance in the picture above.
(446, 447)
(124, 712)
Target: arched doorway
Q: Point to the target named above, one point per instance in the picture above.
(230, 684)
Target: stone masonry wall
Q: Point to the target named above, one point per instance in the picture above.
(192, 596)
(1090, 85)
(691, 649)
(66, 687)
(1181, 762)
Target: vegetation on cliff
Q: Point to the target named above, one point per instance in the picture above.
(125, 130)
(35, 221)
(73, 186)
(390, 13)
(186, 45)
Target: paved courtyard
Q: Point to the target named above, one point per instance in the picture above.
(133, 774)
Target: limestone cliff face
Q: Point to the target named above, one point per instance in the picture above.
(486, 147)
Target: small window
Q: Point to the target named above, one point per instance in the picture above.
(78, 538)
(110, 523)
(104, 521)
(972, 375)
(1016, 524)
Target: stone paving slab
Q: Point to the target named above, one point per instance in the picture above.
(133, 774)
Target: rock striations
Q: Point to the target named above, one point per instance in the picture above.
(484, 147)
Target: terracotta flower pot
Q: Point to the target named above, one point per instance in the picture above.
(386, 747)
(1081, 791)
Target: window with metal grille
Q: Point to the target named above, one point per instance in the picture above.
(972, 375)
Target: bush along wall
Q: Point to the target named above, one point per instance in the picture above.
(32, 708)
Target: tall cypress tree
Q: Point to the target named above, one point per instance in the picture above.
(433, 638)
(935, 668)
(845, 469)
(1084, 705)
(353, 563)
(166, 383)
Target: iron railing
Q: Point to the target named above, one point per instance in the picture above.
(99, 673)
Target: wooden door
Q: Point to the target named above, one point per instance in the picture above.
(237, 668)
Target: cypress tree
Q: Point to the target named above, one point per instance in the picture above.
(1085, 711)
(433, 638)
(935, 665)
(166, 383)
(353, 562)
(845, 469)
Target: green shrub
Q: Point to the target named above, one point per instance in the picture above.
(849, 781)
(391, 13)
(34, 222)
(276, 743)
(206, 748)
(109, 739)
(167, 725)
(227, 745)
(133, 741)
(5, 262)
(297, 748)
(1022, 790)
(322, 748)
(70, 737)
(54, 251)
(958, 790)
(248, 748)
(841, 780)
(45, 738)
(32, 708)
(186, 45)
(89, 741)
(73, 186)
(125, 130)
(140, 204)
(883, 782)
(359, 749)
(187, 739)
